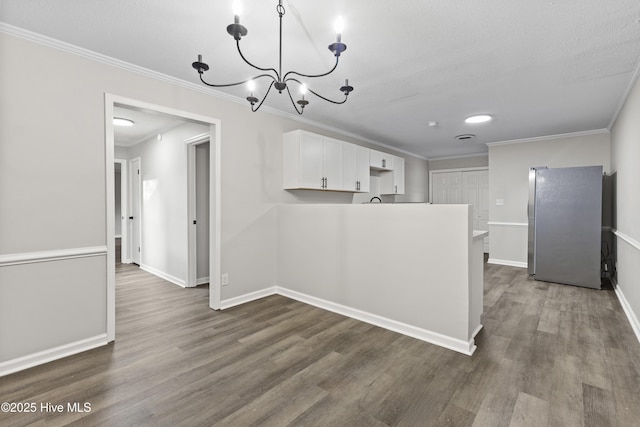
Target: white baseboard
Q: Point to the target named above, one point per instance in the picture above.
(633, 319)
(441, 340)
(202, 280)
(163, 275)
(477, 331)
(460, 346)
(31, 360)
(508, 263)
(242, 299)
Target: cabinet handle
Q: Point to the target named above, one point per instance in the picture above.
(322, 185)
(384, 163)
(396, 189)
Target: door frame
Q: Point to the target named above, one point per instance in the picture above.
(110, 101)
(192, 251)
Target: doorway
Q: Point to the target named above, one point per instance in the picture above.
(112, 102)
(134, 220)
(121, 200)
(198, 178)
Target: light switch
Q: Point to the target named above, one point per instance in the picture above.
(499, 202)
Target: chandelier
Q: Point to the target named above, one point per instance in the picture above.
(278, 80)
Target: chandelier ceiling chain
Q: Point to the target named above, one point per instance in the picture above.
(277, 78)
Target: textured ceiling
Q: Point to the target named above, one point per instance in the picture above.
(542, 67)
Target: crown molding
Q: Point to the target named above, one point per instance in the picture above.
(104, 59)
(625, 96)
(549, 137)
(461, 156)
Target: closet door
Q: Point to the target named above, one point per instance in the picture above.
(471, 194)
(446, 188)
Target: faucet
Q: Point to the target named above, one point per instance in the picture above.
(375, 197)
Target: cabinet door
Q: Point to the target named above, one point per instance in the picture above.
(379, 160)
(392, 182)
(311, 161)
(398, 175)
(332, 164)
(349, 176)
(363, 175)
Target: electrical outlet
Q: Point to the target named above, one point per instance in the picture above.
(225, 279)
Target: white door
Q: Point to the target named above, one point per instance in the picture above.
(135, 217)
(439, 184)
(446, 188)
(202, 213)
(470, 194)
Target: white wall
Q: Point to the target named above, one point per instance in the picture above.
(625, 154)
(164, 201)
(509, 181)
(44, 207)
(405, 262)
(459, 163)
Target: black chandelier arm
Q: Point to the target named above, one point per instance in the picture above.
(238, 83)
(311, 76)
(329, 100)
(294, 103)
(317, 94)
(264, 97)
(255, 66)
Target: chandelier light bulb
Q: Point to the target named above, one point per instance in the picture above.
(339, 27)
(251, 85)
(237, 10)
(303, 89)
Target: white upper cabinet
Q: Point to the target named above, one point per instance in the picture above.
(311, 161)
(356, 168)
(379, 160)
(392, 182)
(316, 162)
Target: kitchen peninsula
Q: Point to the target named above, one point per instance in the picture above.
(412, 268)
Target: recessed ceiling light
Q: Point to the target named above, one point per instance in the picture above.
(119, 121)
(478, 118)
(432, 124)
(465, 137)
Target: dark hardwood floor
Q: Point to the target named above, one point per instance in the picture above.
(549, 355)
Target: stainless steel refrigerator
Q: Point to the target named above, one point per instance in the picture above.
(565, 225)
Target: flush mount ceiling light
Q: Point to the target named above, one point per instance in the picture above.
(478, 118)
(278, 79)
(119, 121)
